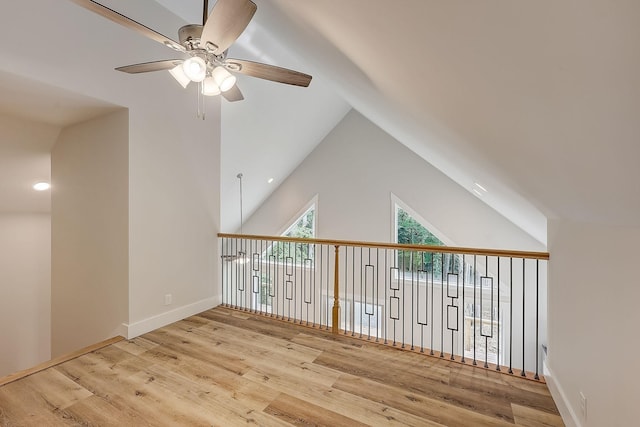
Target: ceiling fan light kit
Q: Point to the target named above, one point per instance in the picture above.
(195, 68)
(210, 87)
(224, 79)
(206, 47)
(178, 73)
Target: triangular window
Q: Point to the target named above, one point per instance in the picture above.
(411, 231)
(304, 226)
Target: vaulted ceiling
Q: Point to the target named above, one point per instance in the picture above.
(536, 101)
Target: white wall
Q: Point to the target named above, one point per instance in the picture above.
(25, 243)
(174, 218)
(173, 156)
(593, 313)
(25, 291)
(355, 170)
(89, 232)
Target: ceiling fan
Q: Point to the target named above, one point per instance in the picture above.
(206, 46)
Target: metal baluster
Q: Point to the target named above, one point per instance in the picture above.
(403, 291)
(413, 285)
(224, 265)
(523, 373)
(313, 272)
(433, 276)
(353, 291)
(510, 315)
(486, 338)
(426, 278)
(442, 304)
(464, 275)
(320, 299)
(475, 283)
(325, 281)
(537, 377)
(276, 282)
(296, 283)
(362, 273)
(386, 287)
(376, 296)
(499, 324)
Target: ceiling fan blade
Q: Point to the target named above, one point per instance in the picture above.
(150, 66)
(119, 18)
(268, 72)
(227, 21)
(233, 94)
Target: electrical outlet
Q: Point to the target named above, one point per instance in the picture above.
(168, 299)
(583, 405)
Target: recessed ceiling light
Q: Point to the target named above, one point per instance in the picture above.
(41, 186)
(270, 180)
(480, 187)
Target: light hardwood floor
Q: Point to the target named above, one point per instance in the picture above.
(229, 368)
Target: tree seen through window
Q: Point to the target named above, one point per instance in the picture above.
(411, 232)
(303, 227)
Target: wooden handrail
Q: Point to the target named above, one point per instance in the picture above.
(396, 246)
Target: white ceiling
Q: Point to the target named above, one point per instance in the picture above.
(41, 102)
(537, 101)
(31, 117)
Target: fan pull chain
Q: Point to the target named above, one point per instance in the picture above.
(201, 103)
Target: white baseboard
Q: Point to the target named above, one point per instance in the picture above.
(560, 398)
(154, 322)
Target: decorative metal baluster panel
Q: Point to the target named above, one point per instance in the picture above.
(471, 307)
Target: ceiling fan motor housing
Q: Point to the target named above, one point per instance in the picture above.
(190, 38)
(190, 35)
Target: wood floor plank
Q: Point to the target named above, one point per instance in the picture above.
(96, 411)
(22, 403)
(304, 414)
(229, 368)
(221, 380)
(56, 389)
(136, 346)
(502, 391)
(412, 403)
(420, 383)
(335, 400)
(237, 336)
(263, 325)
(215, 407)
(530, 417)
(170, 340)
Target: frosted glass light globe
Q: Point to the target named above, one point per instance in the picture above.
(195, 68)
(223, 78)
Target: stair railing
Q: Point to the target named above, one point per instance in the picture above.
(482, 307)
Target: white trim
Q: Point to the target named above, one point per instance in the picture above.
(154, 322)
(560, 398)
(395, 200)
(313, 203)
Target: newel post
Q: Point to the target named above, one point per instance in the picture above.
(335, 326)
